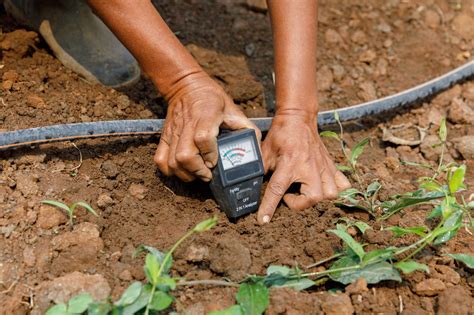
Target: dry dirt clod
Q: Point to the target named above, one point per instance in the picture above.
(429, 287)
(50, 217)
(432, 19)
(231, 258)
(325, 78)
(428, 148)
(61, 289)
(35, 101)
(462, 24)
(105, 201)
(138, 191)
(460, 112)
(358, 287)
(455, 301)
(367, 91)
(337, 304)
(331, 36)
(110, 169)
(446, 274)
(465, 146)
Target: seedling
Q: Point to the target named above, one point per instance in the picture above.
(70, 209)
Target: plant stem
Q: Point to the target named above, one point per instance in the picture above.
(324, 260)
(329, 271)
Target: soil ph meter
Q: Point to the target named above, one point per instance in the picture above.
(237, 178)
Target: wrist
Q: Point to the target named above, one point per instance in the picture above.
(303, 115)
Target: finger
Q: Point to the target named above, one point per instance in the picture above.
(341, 181)
(188, 157)
(161, 154)
(276, 188)
(235, 119)
(173, 163)
(205, 139)
(310, 194)
(268, 156)
(328, 183)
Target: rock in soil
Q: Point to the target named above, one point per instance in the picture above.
(110, 169)
(455, 301)
(430, 149)
(337, 304)
(446, 274)
(105, 201)
(358, 287)
(50, 217)
(460, 112)
(138, 191)
(61, 289)
(465, 146)
(231, 258)
(429, 287)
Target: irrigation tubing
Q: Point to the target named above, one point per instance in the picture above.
(143, 127)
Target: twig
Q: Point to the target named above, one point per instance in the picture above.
(9, 288)
(168, 189)
(74, 169)
(401, 303)
(207, 282)
(3, 102)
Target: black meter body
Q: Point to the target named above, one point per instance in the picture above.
(237, 178)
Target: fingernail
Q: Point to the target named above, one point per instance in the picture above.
(209, 164)
(266, 219)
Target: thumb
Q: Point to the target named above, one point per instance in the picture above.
(235, 119)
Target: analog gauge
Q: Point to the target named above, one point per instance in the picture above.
(237, 153)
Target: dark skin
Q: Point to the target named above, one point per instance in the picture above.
(198, 106)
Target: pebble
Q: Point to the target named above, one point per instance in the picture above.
(367, 91)
(104, 201)
(110, 169)
(460, 112)
(446, 274)
(368, 56)
(338, 72)
(50, 217)
(465, 146)
(125, 275)
(325, 78)
(331, 36)
(384, 27)
(138, 191)
(358, 287)
(429, 287)
(230, 257)
(10, 75)
(60, 290)
(35, 101)
(122, 102)
(196, 253)
(7, 85)
(359, 37)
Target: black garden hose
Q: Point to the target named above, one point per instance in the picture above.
(18, 138)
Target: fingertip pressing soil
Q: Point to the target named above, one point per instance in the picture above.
(366, 51)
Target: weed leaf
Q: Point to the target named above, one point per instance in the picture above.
(131, 294)
(378, 254)
(79, 303)
(166, 283)
(357, 150)
(416, 164)
(330, 134)
(352, 243)
(87, 207)
(57, 204)
(430, 185)
(373, 273)
(408, 200)
(59, 309)
(139, 303)
(451, 226)
(152, 268)
(436, 212)
(158, 254)
(160, 301)
(411, 265)
(373, 188)
(233, 310)
(253, 298)
(205, 225)
(99, 309)
(362, 226)
(457, 179)
(281, 276)
(399, 231)
(467, 259)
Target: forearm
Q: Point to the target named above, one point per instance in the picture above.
(138, 25)
(294, 25)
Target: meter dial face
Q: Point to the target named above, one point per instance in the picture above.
(237, 152)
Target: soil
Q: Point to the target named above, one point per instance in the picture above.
(366, 50)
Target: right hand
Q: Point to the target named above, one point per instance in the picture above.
(197, 107)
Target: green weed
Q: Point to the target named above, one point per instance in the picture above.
(70, 209)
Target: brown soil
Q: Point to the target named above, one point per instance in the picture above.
(365, 51)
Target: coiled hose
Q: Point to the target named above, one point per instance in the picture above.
(143, 127)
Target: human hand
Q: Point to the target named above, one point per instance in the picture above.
(295, 153)
(197, 107)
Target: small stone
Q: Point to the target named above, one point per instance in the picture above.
(196, 253)
(465, 146)
(7, 85)
(122, 102)
(384, 27)
(250, 49)
(387, 43)
(430, 148)
(10, 75)
(61, 289)
(432, 19)
(358, 287)
(50, 217)
(104, 201)
(455, 300)
(331, 36)
(338, 72)
(359, 37)
(463, 25)
(460, 112)
(231, 258)
(429, 287)
(337, 304)
(110, 169)
(125, 275)
(352, 231)
(446, 274)
(35, 101)
(368, 56)
(29, 257)
(31, 217)
(367, 92)
(138, 191)
(325, 78)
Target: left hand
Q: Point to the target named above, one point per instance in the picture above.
(295, 153)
